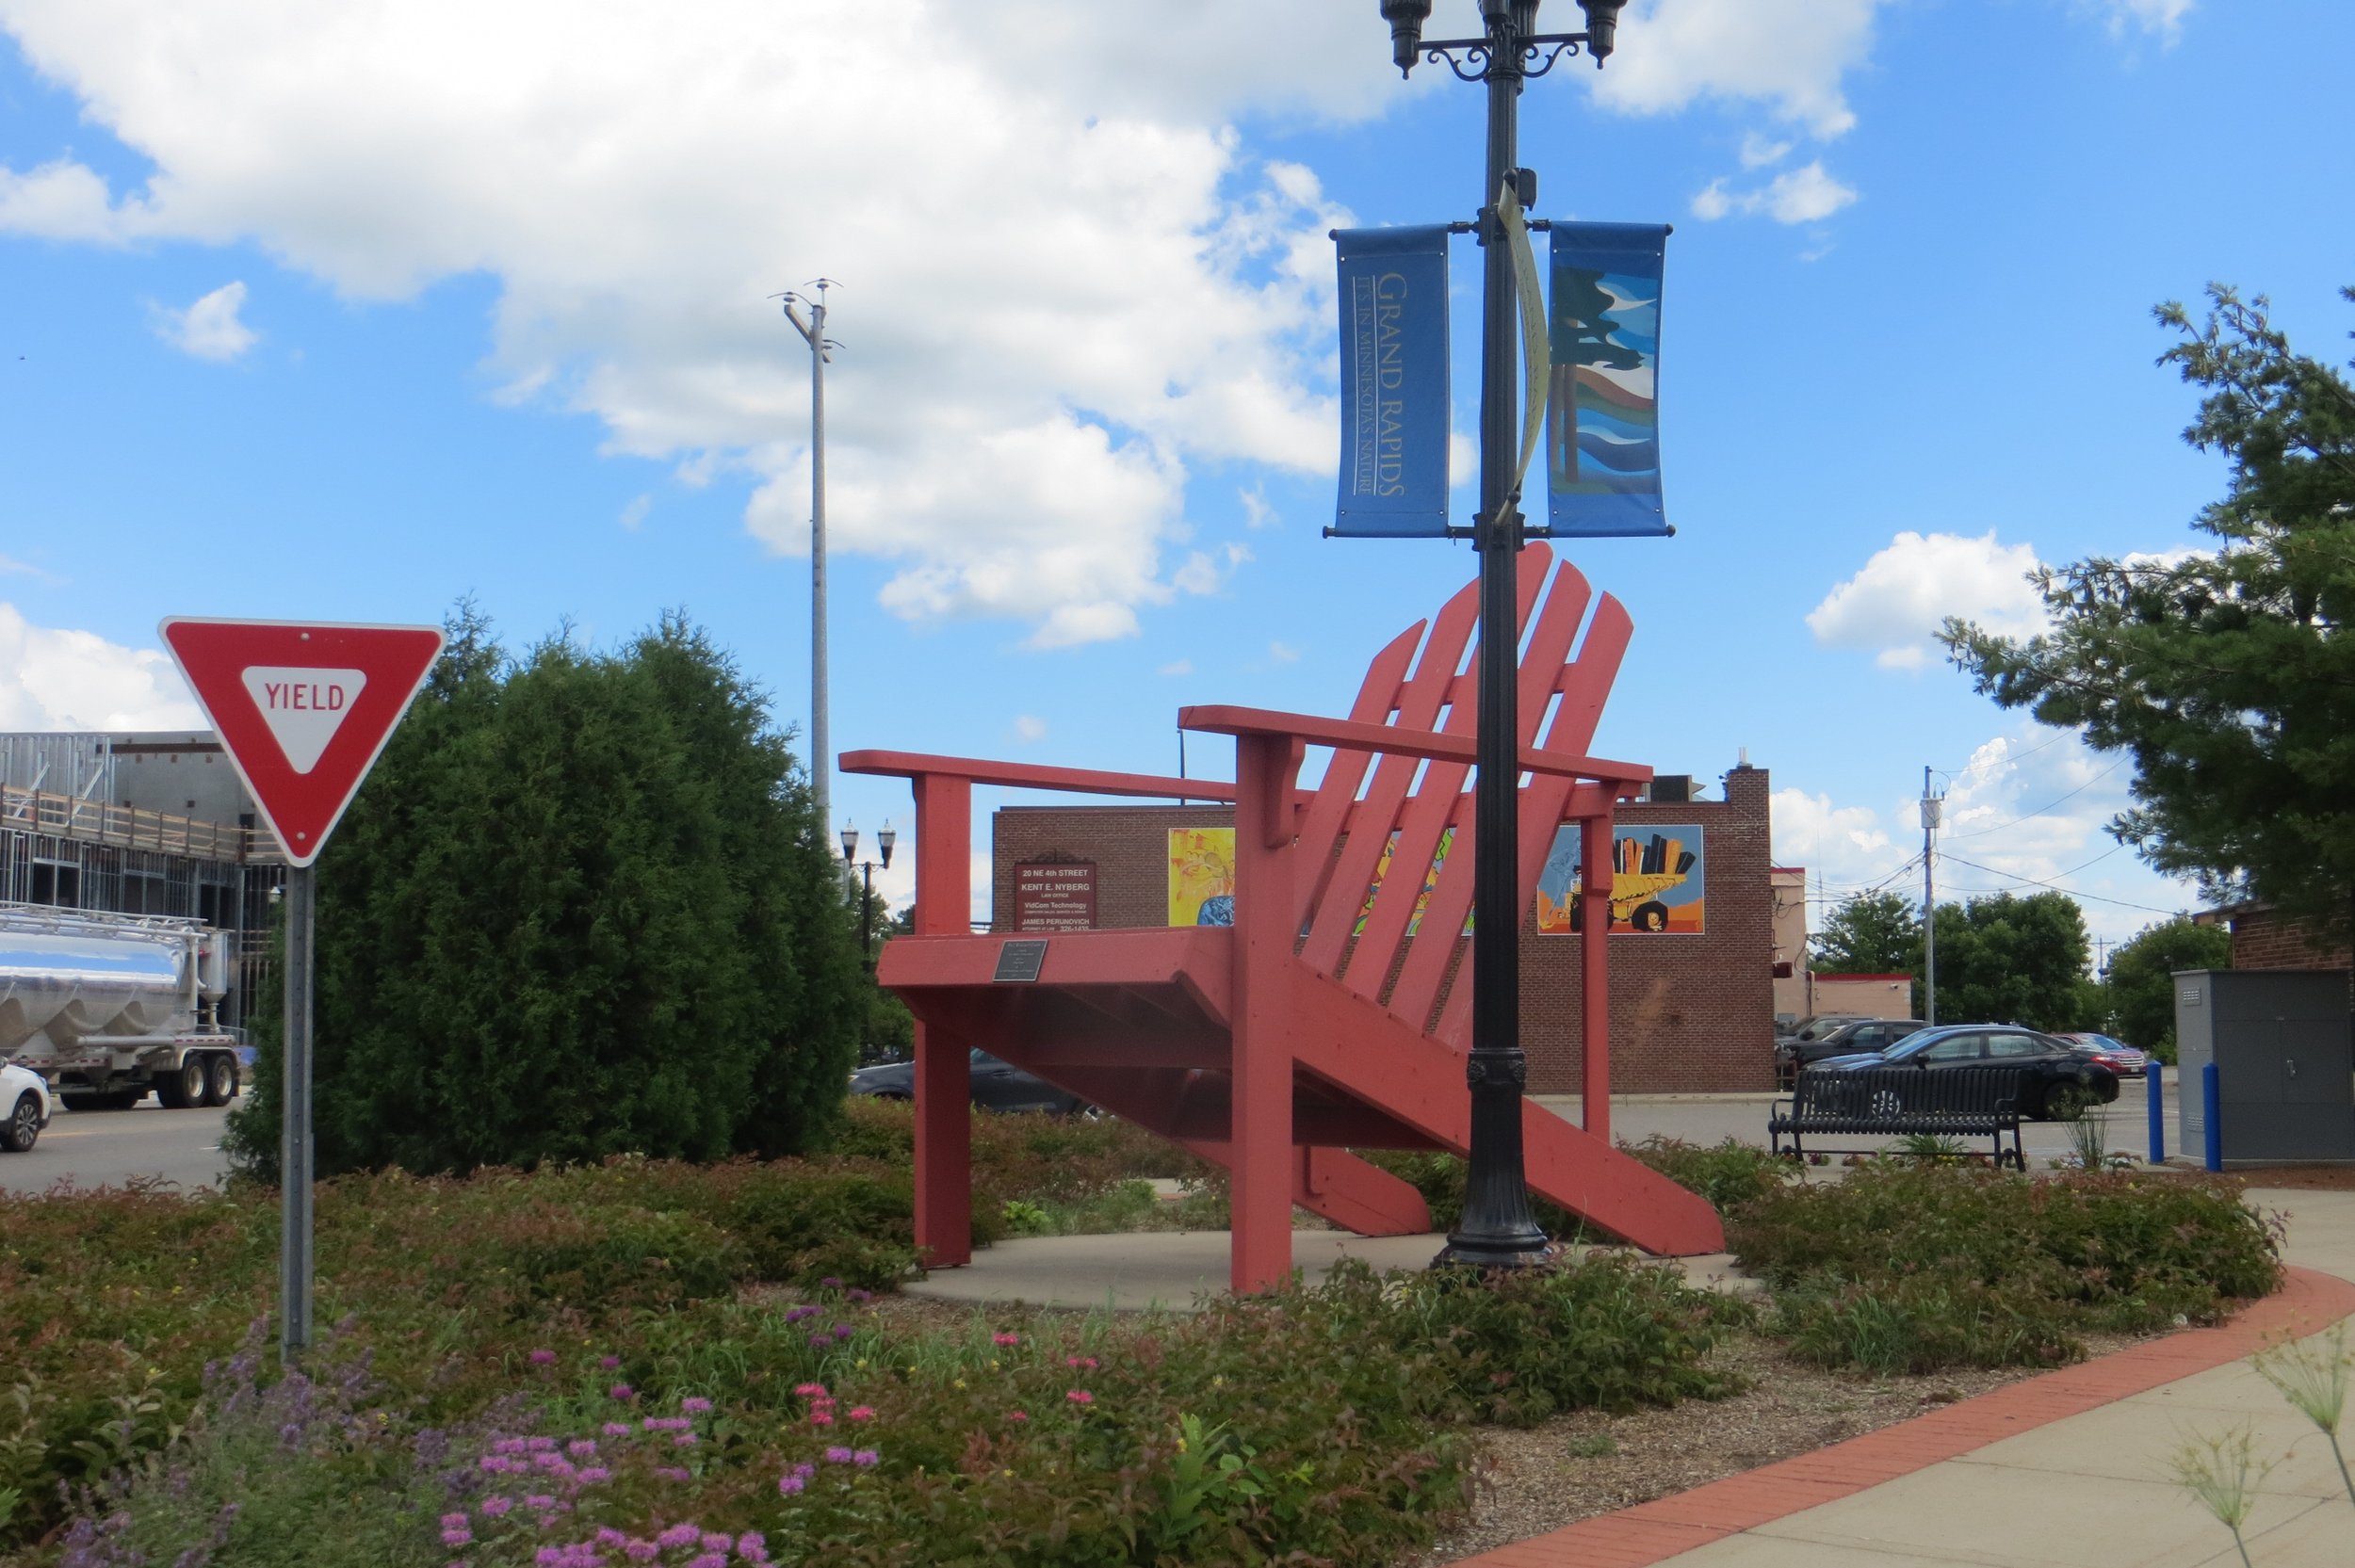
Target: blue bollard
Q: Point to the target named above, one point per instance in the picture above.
(2216, 1123)
(2151, 1076)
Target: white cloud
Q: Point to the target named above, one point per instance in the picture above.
(208, 329)
(2164, 18)
(1843, 842)
(1794, 53)
(1283, 652)
(1256, 513)
(57, 679)
(1176, 667)
(1029, 728)
(1805, 195)
(1896, 603)
(1758, 151)
(635, 514)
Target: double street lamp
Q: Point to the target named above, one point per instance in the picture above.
(884, 841)
(1498, 1229)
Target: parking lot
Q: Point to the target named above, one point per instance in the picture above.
(94, 1148)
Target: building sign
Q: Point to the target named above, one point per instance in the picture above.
(1658, 880)
(1054, 897)
(1201, 876)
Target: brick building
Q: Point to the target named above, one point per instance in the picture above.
(1692, 1011)
(2263, 938)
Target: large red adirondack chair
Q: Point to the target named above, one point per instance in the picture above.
(1334, 1014)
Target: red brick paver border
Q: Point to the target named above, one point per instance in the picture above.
(1658, 1531)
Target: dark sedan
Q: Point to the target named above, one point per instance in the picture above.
(1850, 1039)
(2061, 1080)
(997, 1086)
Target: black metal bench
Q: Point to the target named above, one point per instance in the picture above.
(1954, 1102)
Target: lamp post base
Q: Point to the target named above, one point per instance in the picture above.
(1495, 1252)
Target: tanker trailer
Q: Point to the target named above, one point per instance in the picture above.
(107, 1006)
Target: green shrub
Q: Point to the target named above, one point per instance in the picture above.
(1916, 1266)
(1728, 1175)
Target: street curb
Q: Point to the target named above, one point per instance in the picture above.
(1655, 1532)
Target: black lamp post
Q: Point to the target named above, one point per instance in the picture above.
(1498, 1230)
(884, 841)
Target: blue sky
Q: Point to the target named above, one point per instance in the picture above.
(348, 312)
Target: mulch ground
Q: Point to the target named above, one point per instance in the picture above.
(2301, 1178)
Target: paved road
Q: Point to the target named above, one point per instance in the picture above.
(105, 1148)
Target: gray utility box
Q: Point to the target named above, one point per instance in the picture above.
(2285, 1061)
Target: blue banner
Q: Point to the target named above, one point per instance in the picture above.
(1394, 383)
(1603, 444)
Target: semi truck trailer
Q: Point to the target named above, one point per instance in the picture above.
(110, 1007)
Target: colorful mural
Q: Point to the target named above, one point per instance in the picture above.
(1659, 878)
(1201, 876)
(1422, 899)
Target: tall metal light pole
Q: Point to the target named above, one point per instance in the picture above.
(814, 332)
(1931, 807)
(1498, 1229)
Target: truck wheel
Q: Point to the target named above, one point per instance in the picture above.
(220, 1079)
(23, 1126)
(183, 1086)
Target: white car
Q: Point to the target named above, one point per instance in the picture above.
(23, 1107)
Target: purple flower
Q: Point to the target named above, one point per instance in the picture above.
(457, 1536)
(608, 1363)
(821, 1340)
(454, 1521)
(752, 1547)
(838, 1456)
(715, 1541)
(494, 1507)
(581, 1447)
(509, 1446)
(866, 1459)
(540, 1444)
(617, 1428)
(669, 1474)
(592, 1475)
(641, 1551)
(708, 1559)
(862, 1295)
(679, 1535)
(694, 1406)
(683, 1440)
(609, 1536)
(830, 1283)
(843, 1331)
(539, 1500)
(790, 1485)
(623, 1391)
(544, 1358)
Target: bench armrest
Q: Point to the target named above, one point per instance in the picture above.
(1019, 775)
(1349, 735)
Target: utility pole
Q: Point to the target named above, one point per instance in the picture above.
(1931, 805)
(814, 332)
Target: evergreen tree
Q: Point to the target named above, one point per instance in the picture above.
(2140, 989)
(2225, 671)
(1870, 933)
(582, 907)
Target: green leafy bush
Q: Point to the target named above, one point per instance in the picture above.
(1729, 1175)
(1915, 1266)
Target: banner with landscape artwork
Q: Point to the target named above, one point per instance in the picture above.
(1201, 876)
(1658, 880)
(1602, 441)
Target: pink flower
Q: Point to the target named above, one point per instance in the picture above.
(809, 1390)
(822, 1418)
(539, 1500)
(1005, 1339)
(544, 1358)
(453, 1521)
(458, 1537)
(494, 1507)
(1088, 1362)
(1081, 1397)
(1016, 1416)
(694, 1406)
(862, 1413)
(668, 1474)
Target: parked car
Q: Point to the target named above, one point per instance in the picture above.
(997, 1086)
(2061, 1080)
(1820, 1025)
(2115, 1053)
(1865, 1034)
(23, 1107)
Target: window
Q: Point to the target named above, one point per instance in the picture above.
(1960, 1047)
(2014, 1045)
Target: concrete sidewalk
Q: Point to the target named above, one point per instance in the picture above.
(2067, 1470)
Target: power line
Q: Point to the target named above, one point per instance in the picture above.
(2035, 882)
(1981, 833)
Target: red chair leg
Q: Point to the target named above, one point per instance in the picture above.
(944, 1150)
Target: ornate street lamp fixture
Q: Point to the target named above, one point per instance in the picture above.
(885, 839)
(1498, 1229)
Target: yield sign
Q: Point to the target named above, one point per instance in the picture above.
(302, 710)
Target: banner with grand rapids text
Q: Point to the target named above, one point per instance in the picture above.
(1603, 448)
(1394, 383)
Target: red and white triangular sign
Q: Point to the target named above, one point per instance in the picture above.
(302, 710)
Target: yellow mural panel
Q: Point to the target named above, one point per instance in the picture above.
(1201, 876)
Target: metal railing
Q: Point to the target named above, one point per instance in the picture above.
(132, 828)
